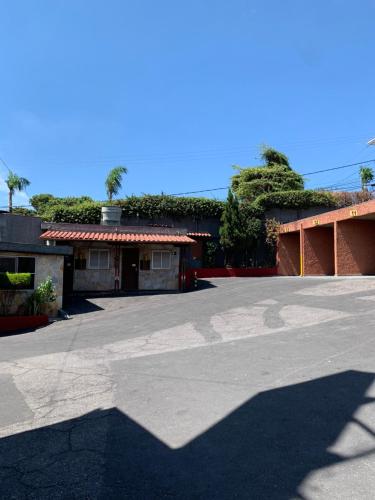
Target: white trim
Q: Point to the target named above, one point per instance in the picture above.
(161, 260)
(98, 250)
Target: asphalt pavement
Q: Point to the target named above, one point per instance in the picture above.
(248, 388)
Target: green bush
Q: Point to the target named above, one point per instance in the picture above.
(85, 213)
(148, 207)
(15, 281)
(252, 182)
(43, 294)
(295, 199)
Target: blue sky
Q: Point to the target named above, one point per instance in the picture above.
(180, 91)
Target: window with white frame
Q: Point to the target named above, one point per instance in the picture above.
(19, 265)
(98, 259)
(161, 260)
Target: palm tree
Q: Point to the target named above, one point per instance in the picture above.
(113, 181)
(15, 183)
(367, 175)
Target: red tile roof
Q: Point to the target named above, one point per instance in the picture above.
(116, 237)
(201, 235)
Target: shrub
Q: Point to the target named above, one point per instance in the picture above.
(43, 294)
(295, 199)
(23, 211)
(148, 207)
(251, 182)
(346, 199)
(272, 227)
(15, 281)
(85, 213)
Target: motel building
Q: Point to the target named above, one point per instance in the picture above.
(336, 243)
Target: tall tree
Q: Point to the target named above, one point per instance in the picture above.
(367, 175)
(274, 175)
(14, 183)
(231, 228)
(113, 181)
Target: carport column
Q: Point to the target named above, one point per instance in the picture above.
(302, 251)
(335, 247)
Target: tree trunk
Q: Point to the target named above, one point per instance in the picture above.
(10, 201)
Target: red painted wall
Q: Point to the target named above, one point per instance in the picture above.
(288, 254)
(318, 251)
(355, 247)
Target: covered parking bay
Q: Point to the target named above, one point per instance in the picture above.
(340, 243)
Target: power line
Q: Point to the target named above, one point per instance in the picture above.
(200, 191)
(227, 187)
(303, 175)
(4, 163)
(337, 168)
(202, 154)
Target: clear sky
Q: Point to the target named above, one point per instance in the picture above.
(178, 91)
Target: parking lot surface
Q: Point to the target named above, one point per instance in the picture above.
(248, 388)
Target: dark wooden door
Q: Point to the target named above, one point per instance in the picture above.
(68, 279)
(130, 263)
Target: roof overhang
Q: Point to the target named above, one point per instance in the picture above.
(117, 237)
(362, 211)
(37, 249)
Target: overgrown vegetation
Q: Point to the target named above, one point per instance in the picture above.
(209, 253)
(275, 175)
(86, 211)
(239, 231)
(15, 281)
(346, 199)
(294, 200)
(272, 227)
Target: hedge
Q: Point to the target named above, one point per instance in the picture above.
(148, 207)
(15, 281)
(158, 206)
(295, 199)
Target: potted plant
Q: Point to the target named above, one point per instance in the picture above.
(42, 295)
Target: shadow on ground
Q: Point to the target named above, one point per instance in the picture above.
(262, 450)
(80, 305)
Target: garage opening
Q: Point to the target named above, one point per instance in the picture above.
(289, 251)
(355, 247)
(318, 251)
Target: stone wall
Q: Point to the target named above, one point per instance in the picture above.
(160, 279)
(45, 266)
(91, 280)
(101, 280)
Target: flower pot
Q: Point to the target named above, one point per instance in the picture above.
(14, 323)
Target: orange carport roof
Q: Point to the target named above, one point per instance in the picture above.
(116, 237)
